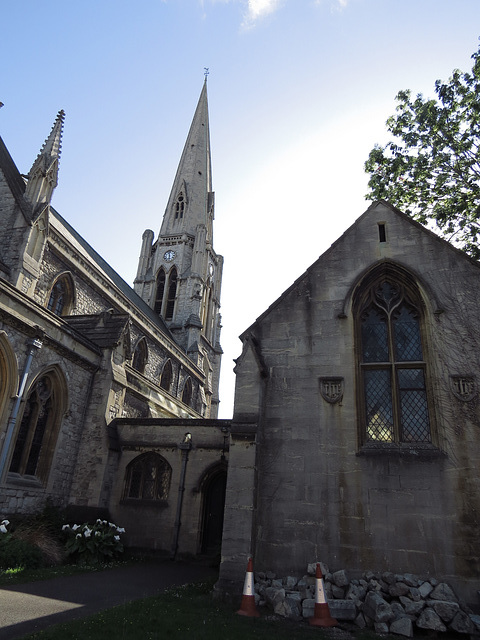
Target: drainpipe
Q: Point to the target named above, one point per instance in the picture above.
(34, 345)
(185, 447)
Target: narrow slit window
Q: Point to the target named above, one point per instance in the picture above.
(382, 232)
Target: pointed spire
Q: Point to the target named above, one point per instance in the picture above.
(43, 176)
(191, 198)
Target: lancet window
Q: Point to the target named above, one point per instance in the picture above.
(61, 296)
(167, 376)
(166, 293)
(179, 206)
(140, 356)
(39, 427)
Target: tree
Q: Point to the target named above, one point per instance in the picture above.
(431, 170)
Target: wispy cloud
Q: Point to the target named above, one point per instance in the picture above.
(258, 9)
(335, 5)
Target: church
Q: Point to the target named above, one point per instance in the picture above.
(354, 438)
(108, 394)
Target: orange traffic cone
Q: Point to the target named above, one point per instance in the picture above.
(321, 612)
(248, 608)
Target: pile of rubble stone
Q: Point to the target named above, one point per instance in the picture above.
(386, 602)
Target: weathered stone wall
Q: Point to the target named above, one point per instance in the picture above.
(158, 518)
(317, 492)
(76, 364)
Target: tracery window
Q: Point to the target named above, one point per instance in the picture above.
(148, 477)
(394, 402)
(39, 426)
(140, 356)
(167, 376)
(179, 206)
(61, 296)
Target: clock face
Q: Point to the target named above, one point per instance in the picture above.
(169, 255)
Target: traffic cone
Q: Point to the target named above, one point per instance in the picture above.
(321, 612)
(248, 608)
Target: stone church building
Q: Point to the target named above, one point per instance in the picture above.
(108, 394)
(355, 434)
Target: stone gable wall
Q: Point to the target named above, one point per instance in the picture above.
(313, 490)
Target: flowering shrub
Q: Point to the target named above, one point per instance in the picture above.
(92, 544)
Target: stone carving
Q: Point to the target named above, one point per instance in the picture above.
(332, 389)
(463, 387)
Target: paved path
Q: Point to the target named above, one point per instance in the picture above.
(27, 608)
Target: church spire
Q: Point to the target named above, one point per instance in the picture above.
(191, 199)
(43, 176)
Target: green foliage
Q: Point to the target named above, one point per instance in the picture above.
(17, 552)
(92, 544)
(431, 169)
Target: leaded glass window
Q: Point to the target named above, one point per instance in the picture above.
(148, 478)
(392, 367)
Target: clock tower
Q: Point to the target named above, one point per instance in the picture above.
(179, 274)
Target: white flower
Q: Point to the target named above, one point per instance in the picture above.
(98, 533)
(120, 530)
(110, 524)
(6, 522)
(99, 521)
(79, 535)
(75, 527)
(3, 528)
(87, 533)
(65, 527)
(117, 538)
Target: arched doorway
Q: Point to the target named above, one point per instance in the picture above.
(213, 510)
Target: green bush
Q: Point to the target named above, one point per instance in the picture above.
(17, 552)
(92, 544)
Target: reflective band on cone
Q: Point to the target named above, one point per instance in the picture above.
(248, 608)
(321, 612)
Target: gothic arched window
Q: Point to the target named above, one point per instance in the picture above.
(148, 478)
(167, 376)
(171, 295)
(140, 356)
(179, 206)
(187, 392)
(166, 293)
(61, 296)
(39, 427)
(159, 292)
(392, 368)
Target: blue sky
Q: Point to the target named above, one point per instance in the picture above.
(299, 91)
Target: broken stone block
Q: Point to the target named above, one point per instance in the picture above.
(445, 610)
(443, 592)
(462, 623)
(377, 608)
(381, 627)
(342, 609)
(428, 619)
(425, 590)
(402, 627)
(398, 589)
(340, 578)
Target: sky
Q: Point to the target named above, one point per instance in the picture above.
(298, 90)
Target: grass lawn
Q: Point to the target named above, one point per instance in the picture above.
(186, 613)
(21, 575)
